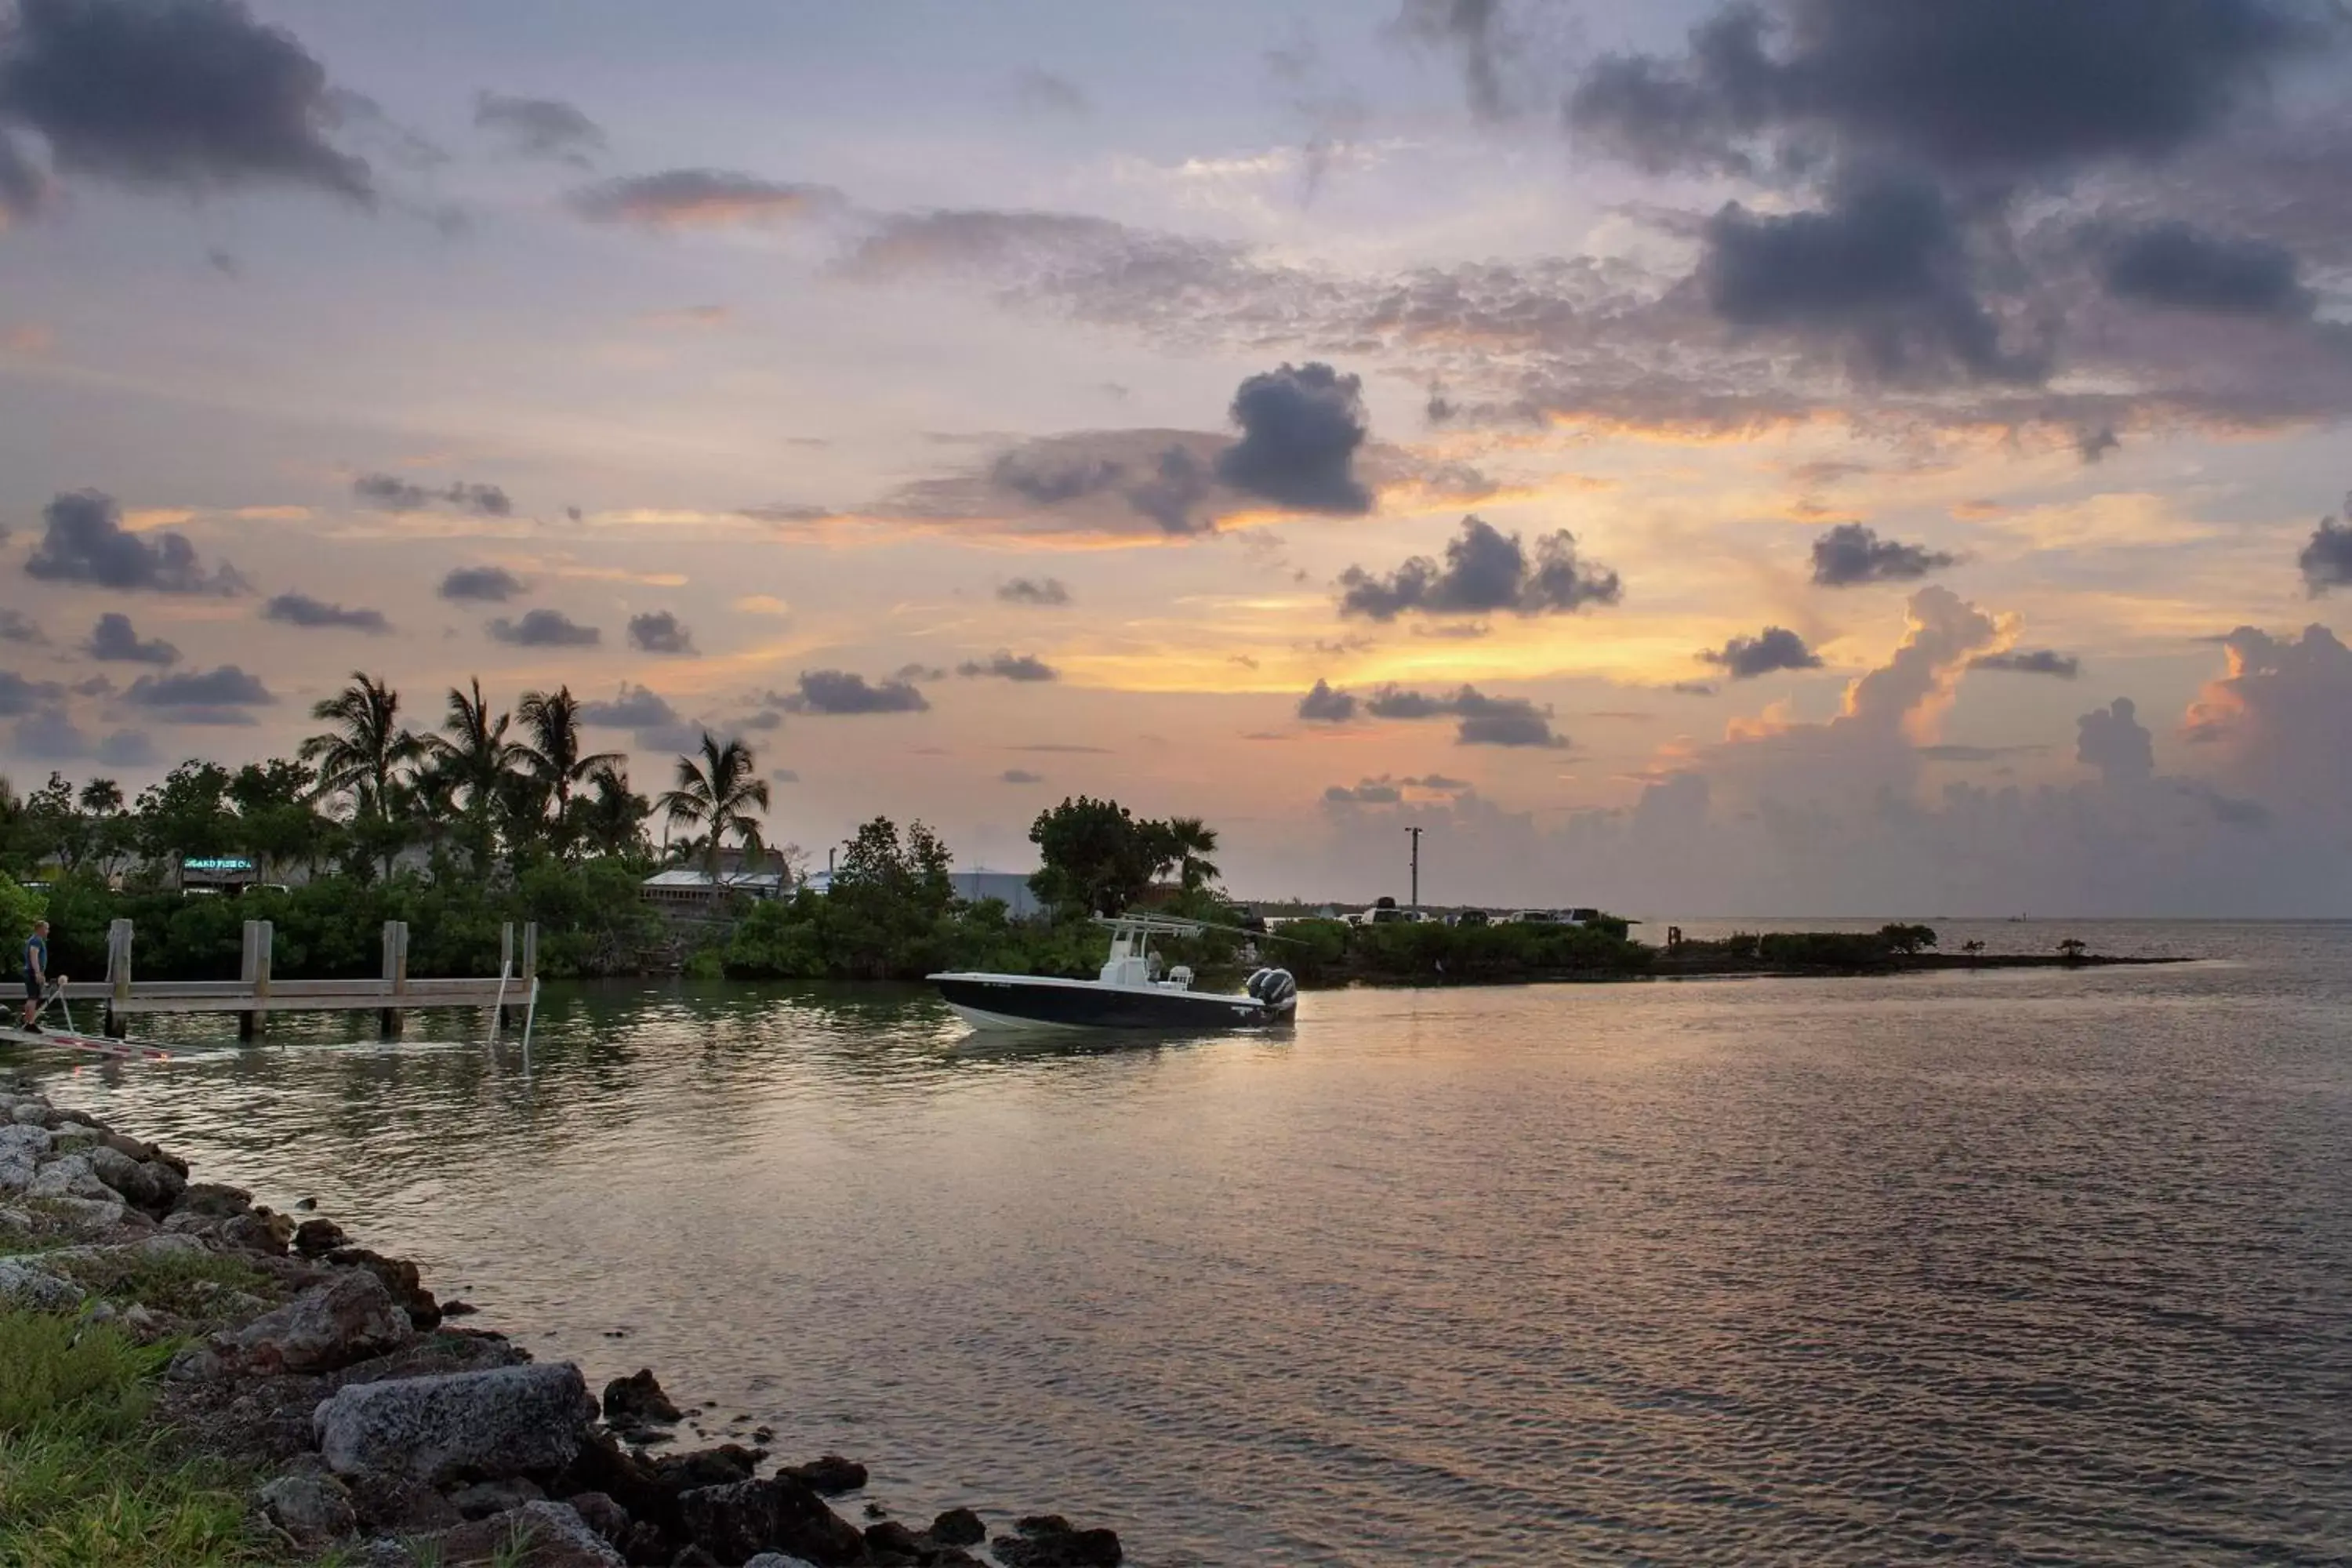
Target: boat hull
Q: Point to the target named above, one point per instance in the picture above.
(1021, 1002)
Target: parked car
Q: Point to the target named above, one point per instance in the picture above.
(1468, 918)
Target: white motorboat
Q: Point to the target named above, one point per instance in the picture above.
(1130, 993)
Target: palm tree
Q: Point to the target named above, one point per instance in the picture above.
(475, 759)
(553, 756)
(363, 755)
(612, 817)
(717, 793)
(1191, 842)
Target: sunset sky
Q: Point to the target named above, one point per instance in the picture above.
(1837, 455)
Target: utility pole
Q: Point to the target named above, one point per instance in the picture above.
(1416, 866)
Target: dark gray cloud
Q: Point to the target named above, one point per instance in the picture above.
(539, 127)
(1372, 791)
(1004, 666)
(480, 584)
(1851, 553)
(192, 96)
(19, 696)
(784, 512)
(1481, 719)
(2326, 561)
(24, 188)
(114, 640)
(1035, 591)
(2174, 266)
(221, 696)
(659, 632)
(50, 735)
(1484, 570)
(1169, 488)
(700, 198)
(637, 708)
(1020, 776)
(1049, 92)
(1884, 268)
(388, 492)
(303, 610)
(1324, 705)
(919, 671)
(544, 628)
(1471, 27)
(840, 691)
(1773, 648)
(2116, 743)
(19, 627)
(2031, 662)
(127, 748)
(1988, 90)
(2093, 444)
(83, 541)
(1301, 426)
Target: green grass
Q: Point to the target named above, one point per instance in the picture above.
(187, 1284)
(82, 1481)
(49, 1228)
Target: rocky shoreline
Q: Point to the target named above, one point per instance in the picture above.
(373, 1432)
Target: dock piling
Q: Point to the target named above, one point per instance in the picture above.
(260, 936)
(396, 978)
(118, 979)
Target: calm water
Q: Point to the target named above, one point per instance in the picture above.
(1996, 1267)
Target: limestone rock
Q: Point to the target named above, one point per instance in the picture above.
(744, 1518)
(257, 1232)
(69, 1175)
(509, 1421)
(32, 1139)
(777, 1560)
(313, 1508)
(212, 1200)
(347, 1319)
(1048, 1541)
(22, 1285)
(958, 1527)
(637, 1400)
(551, 1535)
(318, 1238)
(399, 1277)
(831, 1475)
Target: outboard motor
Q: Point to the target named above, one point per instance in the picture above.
(1275, 988)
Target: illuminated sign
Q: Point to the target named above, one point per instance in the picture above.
(217, 863)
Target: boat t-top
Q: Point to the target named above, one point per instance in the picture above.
(1130, 993)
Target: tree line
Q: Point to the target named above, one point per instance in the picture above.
(486, 787)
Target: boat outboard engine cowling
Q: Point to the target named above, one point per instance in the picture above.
(1275, 988)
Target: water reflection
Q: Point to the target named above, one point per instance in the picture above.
(1986, 1264)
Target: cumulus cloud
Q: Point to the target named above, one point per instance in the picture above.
(1991, 91)
(2112, 740)
(2031, 662)
(114, 640)
(539, 127)
(480, 584)
(19, 696)
(1324, 705)
(1773, 648)
(659, 632)
(303, 610)
(637, 708)
(2174, 266)
(2326, 560)
(1004, 666)
(1851, 553)
(544, 628)
(2275, 720)
(1041, 591)
(1481, 719)
(700, 198)
(388, 492)
(83, 541)
(1484, 570)
(190, 97)
(1301, 426)
(50, 735)
(220, 696)
(1884, 268)
(841, 691)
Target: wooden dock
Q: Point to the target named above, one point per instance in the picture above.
(256, 994)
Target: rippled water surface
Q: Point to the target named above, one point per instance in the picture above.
(1996, 1266)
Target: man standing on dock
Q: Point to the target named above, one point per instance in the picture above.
(37, 972)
